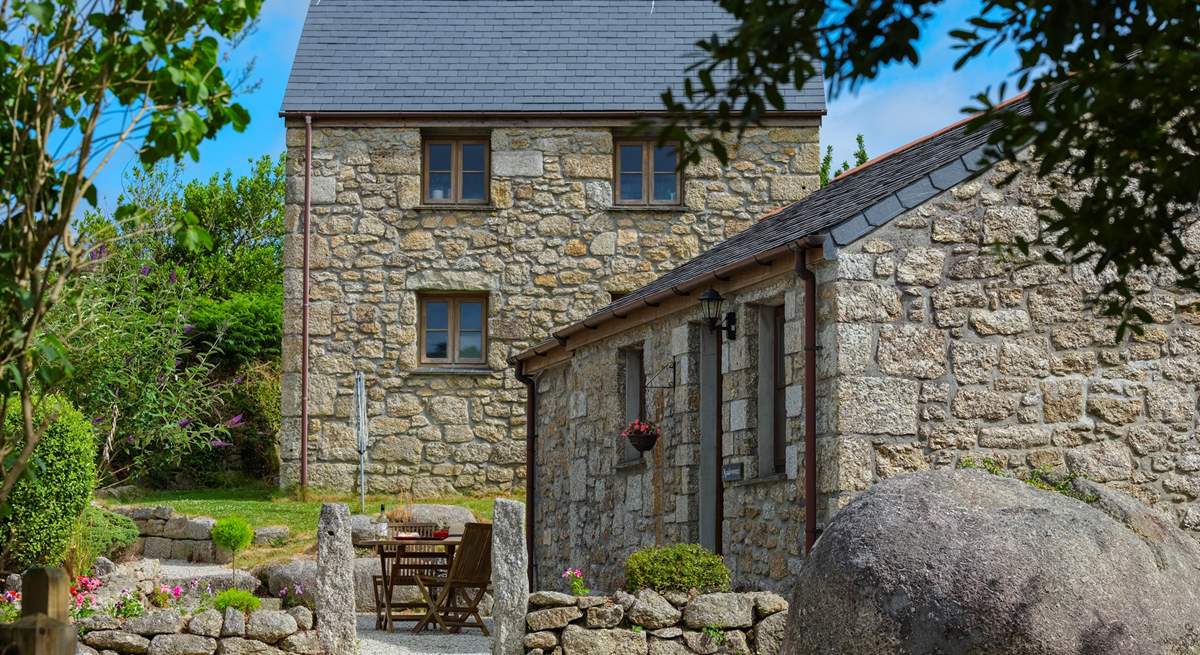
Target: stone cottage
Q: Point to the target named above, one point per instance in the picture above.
(868, 330)
(464, 176)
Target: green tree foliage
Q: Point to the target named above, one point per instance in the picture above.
(233, 534)
(245, 327)
(153, 398)
(1111, 105)
(44, 506)
(860, 157)
(680, 567)
(79, 81)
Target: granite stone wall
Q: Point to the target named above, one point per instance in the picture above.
(649, 623)
(549, 249)
(172, 632)
(947, 349)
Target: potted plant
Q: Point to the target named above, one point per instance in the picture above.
(642, 435)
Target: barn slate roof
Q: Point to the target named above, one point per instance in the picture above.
(433, 56)
(850, 207)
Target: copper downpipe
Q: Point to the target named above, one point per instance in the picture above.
(530, 468)
(304, 306)
(810, 398)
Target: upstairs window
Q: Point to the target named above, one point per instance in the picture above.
(647, 173)
(453, 330)
(456, 171)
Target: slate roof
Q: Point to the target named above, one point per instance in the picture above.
(432, 56)
(850, 207)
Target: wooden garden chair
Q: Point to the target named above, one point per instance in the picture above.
(456, 605)
(384, 603)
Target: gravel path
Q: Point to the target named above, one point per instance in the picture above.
(404, 642)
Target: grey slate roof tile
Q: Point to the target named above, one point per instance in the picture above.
(914, 174)
(503, 55)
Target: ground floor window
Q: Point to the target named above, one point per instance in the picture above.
(453, 329)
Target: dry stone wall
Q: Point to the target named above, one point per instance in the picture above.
(945, 349)
(549, 249)
(171, 632)
(649, 623)
(164, 534)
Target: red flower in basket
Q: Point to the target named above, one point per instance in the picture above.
(642, 435)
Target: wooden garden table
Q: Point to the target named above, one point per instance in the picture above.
(417, 547)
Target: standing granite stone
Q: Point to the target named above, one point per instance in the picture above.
(510, 577)
(335, 581)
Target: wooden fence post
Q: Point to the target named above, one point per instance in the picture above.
(44, 628)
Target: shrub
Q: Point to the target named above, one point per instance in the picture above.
(98, 532)
(238, 599)
(232, 533)
(679, 566)
(45, 504)
(245, 327)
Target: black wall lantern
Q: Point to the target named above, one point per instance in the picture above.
(710, 305)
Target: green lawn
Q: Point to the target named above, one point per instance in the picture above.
(262, 505)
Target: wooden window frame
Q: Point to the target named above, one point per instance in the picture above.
(629, 454)
(453, 301)
(456, 172)
(779, 410)
(771, 393)
(648, 146)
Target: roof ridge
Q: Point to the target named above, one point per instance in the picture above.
(922, 139)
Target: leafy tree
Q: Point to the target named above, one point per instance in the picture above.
(152, 397)
(1112, 105)
(242, 217)
(80, 80)
(860, 157)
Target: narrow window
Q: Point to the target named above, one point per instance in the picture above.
(634, 387)
(772, 389)
(453, 330)
(646, 173)
(780, 400)
(456, 171)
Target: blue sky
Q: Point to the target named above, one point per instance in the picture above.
(903, 104)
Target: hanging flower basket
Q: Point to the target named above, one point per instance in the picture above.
(642, 435)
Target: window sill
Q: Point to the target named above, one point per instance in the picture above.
(450, 370)
(674, 209)
(454, 207)
(630, 464)
(766, 479)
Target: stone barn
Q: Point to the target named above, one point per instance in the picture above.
(867, 330)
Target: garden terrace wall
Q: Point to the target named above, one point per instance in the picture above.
(550, 247)
(170, 632)
(649, 623)
(165, 534)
